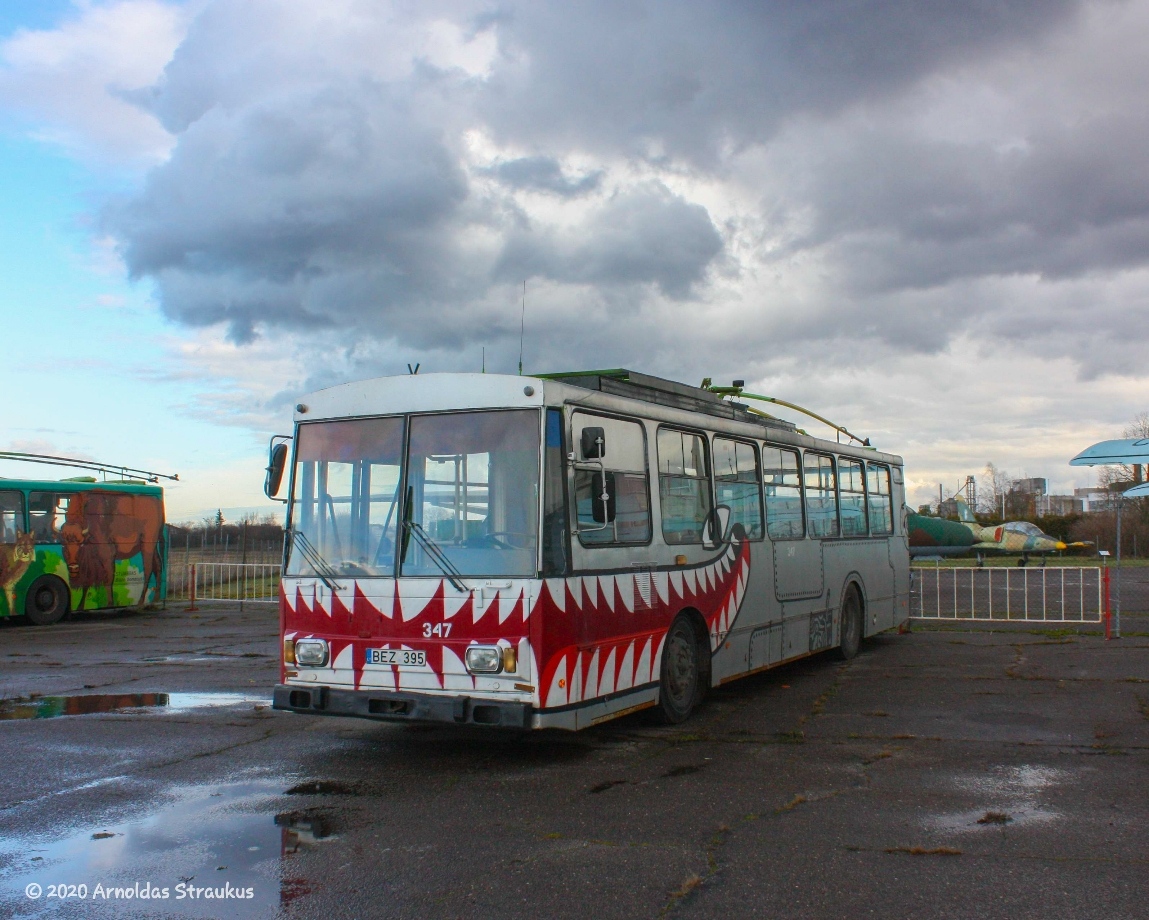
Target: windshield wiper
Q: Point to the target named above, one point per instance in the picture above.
(314, 558)
(415, 529)
(437, 555)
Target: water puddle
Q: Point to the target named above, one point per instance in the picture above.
(178, 659)
(322, 787)
(214, 851)
(968, 822)
(1011, 797)
(51, 707)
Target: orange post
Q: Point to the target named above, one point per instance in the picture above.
(191, 587)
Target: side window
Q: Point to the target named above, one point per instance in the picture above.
(782, 481)
(624, 461)
(821, 495)
(881, 510)
(683, 485)
(11, 516)
(554, 498)
(46, 512)
(852, 490)
(736, 481)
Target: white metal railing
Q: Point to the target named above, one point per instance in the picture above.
(211, 582)
(1022, 594)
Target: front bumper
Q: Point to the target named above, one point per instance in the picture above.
(389, 706)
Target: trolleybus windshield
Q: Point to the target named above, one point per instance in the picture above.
(464, 500)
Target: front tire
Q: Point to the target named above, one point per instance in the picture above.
(680, 684)
(851, 626)
(47, 601)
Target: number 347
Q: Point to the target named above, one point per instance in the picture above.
(439, 630)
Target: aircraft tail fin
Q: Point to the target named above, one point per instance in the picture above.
(965, 515)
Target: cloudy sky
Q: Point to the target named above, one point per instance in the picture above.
(929, 222)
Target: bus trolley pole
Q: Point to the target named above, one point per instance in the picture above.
(191, 586)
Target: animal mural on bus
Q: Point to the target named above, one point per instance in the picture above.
(14, 561)
(602, 633)
(101, 528)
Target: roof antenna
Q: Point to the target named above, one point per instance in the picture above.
(412, 370)
(522, 327)
(484, 359)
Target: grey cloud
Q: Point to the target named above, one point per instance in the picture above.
(314, 189)
(645, 236)
(690, 79)
(905, 212)
(544, 174)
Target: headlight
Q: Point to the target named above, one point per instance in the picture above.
(483, 659)
(311, 653)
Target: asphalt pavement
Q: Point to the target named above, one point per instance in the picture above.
(951, 772)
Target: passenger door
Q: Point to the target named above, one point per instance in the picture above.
(16, 548)
(798, 571)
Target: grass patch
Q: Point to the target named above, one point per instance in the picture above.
(791, 805)
(693, 881)
(923, 851)
(881, 755)
(994, 817)
(1056, 633)
(797, 736)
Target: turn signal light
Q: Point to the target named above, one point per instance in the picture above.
(289, 651)
(510, 660)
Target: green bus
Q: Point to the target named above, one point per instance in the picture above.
(79, 544)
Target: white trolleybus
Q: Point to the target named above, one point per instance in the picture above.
(559, 550)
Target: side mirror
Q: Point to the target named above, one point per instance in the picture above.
(276, 461)
(602, 496)
(593, 443)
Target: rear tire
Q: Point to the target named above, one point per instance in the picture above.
(851, 626)
(680, 684)
(47, 601)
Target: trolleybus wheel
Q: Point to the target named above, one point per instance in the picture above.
(680, 686)
(47, 601)
(851, 625)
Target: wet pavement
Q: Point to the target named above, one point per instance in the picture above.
(952, 772)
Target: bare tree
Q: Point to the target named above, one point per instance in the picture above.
(992, 490)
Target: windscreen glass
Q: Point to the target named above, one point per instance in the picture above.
(344, 510)
(473, 494)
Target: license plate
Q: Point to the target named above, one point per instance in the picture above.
(400, 657)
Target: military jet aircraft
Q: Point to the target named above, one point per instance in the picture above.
(930, 536)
